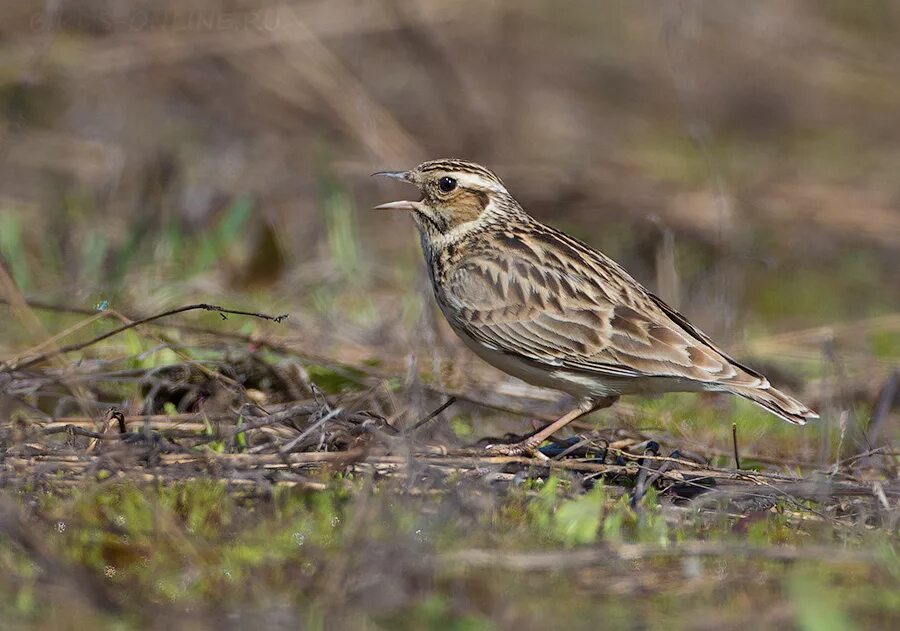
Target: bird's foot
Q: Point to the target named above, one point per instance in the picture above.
(526, 447)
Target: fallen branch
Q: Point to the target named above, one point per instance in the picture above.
(11, 366)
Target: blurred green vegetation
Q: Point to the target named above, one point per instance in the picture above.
(196, 548)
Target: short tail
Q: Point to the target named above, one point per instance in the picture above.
(778, 403)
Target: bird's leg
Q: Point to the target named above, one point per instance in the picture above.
(532, 442)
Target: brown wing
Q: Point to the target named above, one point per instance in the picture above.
(581, 313)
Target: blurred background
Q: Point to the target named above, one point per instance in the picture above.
(739, 158)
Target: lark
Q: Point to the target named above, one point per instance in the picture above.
(552, 311)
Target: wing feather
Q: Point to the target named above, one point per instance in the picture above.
(555, 312)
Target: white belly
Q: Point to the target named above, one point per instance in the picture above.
(578, 384)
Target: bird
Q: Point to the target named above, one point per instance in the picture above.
(551, 310)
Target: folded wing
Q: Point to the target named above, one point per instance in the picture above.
(555, 312)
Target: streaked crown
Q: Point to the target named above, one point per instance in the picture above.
(456, 167)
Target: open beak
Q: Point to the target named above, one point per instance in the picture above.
(401, 205)
(397, 175)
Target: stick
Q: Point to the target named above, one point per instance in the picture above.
(737, 458)
(309, 430)
(641, 486)
(73, 429)
(280, 416)
(443, 407)
(321, 359)
(82, 345)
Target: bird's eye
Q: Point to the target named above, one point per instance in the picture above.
(446, 184)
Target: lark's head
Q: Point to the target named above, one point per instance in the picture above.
(456, 195)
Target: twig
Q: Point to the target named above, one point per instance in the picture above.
(640, 488)
(74, 429)
(882, 451)
(662, 470)
(585, 442)
(287, 349)
(737, 457)
(277, 417)
(309, 430)
(440, 409)
(713, 451)
(8, 367)
(119, 417)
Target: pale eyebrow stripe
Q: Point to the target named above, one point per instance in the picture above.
(472, 180)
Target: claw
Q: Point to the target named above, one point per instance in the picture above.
(516, 449)
(501, 449)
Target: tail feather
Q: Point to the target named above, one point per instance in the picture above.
(778, 403)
